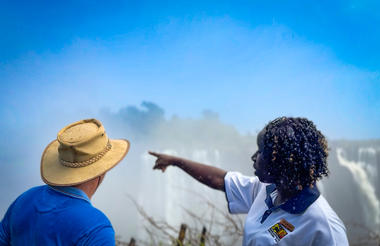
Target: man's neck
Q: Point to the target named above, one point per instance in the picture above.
(89, 187)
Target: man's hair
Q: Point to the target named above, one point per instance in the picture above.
(296, 151)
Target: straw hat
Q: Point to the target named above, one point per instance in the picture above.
(81, 152)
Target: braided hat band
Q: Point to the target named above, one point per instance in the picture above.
(89, 161)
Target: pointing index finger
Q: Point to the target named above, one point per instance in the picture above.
(154, 154)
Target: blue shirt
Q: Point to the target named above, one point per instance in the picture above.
(46, 215)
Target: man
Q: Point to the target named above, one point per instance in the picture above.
(60, 213)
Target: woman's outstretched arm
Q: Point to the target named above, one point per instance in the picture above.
(211, 176)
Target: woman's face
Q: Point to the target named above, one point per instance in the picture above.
(260, 164)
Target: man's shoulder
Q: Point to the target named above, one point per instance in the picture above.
(87, 214)
(96, 213)
(79, 209)
(35, 189)
(89, 223)
(31, 193)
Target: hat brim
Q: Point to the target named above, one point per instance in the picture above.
(54, 173)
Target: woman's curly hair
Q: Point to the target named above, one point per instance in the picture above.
(296, 151)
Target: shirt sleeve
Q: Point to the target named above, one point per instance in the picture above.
(5, 236)
(240, 191)
(101, 236)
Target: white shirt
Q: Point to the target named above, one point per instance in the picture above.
(305, 220)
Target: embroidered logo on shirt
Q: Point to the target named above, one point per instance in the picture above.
(277, 231)
(287, 225)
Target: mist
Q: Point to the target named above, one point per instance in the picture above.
(360, 175)
(206, 139)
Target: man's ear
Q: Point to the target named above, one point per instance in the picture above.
(101, 178)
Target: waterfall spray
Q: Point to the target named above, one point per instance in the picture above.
(362, 179)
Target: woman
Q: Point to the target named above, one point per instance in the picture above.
(282, 203)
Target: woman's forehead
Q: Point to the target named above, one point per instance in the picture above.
(260, 136)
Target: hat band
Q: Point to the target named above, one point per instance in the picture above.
(89, 161)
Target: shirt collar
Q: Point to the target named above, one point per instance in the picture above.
(299, 203)
(71, 191)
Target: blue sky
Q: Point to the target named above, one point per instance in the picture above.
(248, 61)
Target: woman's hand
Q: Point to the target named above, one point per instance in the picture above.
(208, 175)
(163, 161)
